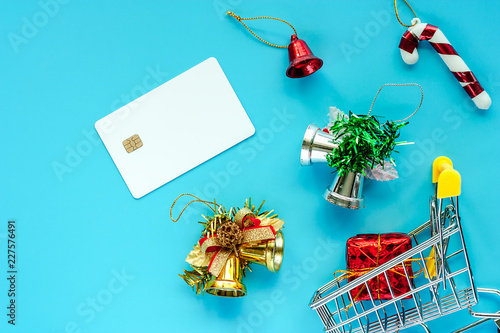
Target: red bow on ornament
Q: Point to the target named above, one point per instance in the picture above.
(245, 229)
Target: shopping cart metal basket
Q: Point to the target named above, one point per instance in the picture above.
(446, 284)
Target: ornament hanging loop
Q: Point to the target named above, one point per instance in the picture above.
(208, 203)
(397, 14)
(240, 19)
(400, 85)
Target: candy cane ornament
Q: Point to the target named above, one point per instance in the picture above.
(424, 31)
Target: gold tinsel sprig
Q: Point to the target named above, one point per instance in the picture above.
(196, 278)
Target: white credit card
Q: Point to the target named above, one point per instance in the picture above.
(174, 128)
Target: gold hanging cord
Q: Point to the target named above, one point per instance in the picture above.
(208, 203)
(240, 19)
(397, 14)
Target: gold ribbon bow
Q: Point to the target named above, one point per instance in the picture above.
(251, 232)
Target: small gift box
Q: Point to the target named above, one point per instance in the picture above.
(368, 251)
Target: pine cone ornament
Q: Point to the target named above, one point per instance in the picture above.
(229, 235)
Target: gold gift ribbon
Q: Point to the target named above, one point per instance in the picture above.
(250, 234)
(354, 272)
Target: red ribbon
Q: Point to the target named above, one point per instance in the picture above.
(428, 32)
(408, 42)
(444, 48)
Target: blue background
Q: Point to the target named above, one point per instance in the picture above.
(64, 67)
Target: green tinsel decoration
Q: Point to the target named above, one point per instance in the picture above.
(362, 143)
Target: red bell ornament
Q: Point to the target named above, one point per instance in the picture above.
(302, 60)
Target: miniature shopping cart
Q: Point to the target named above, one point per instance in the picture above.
(446, 284)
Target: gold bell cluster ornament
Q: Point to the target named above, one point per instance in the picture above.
(302, 60)
(229, 243)
(357, 146)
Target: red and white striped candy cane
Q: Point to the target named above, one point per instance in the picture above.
(423, 31)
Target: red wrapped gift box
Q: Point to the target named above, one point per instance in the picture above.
(365, 252)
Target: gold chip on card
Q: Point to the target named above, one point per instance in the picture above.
(132, 143)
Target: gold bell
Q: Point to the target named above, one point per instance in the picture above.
(268, 253)
(229, 282)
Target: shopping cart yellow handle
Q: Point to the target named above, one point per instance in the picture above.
(448, 179)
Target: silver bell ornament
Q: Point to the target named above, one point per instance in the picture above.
(316, 145)
(357, 146)
(346, 191)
